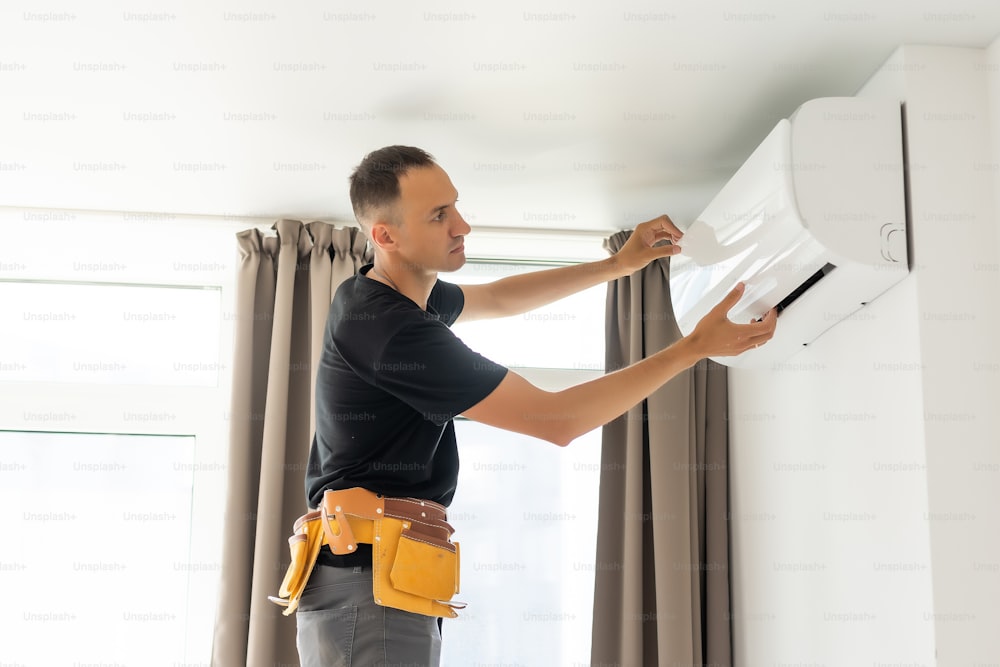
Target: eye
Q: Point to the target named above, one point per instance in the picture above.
(440, 216)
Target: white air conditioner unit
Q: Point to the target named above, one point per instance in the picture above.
(814, 223)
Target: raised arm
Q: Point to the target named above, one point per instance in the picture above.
(519, 294)
(560, 417)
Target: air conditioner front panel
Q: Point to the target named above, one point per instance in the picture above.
(815, 219)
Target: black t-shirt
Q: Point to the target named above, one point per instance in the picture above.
(390, 379)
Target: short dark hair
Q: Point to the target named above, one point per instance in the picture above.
(375, 182)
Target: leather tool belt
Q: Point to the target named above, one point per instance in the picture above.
(415, 565)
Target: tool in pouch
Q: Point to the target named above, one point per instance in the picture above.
(415, 565)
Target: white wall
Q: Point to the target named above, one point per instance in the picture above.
(992, 75)
(865, 468)
(955, 236)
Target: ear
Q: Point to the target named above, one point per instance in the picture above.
(383, 235)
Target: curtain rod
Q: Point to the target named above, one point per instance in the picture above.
(601, 233)
(270, 219)
(510, 261)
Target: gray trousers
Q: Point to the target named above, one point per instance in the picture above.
(339, 625)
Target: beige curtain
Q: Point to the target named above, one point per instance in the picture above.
(284, 287)
(662, 574)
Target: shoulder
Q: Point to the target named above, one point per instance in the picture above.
(447, 300)
(367, 300)
(365, 313)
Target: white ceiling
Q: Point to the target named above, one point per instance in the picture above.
(582, 115)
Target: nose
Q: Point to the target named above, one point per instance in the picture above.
(462, 227)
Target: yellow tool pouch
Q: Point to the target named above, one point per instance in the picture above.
(425, 568)
(415, 565)
(411, 574)
(304, 544)
(307, 539)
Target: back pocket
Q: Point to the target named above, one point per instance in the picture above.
(325, 637)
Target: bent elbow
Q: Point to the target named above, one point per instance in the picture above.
(560, 442)
(561, 437)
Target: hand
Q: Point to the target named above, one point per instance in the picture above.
(716, 336)
(639, 249)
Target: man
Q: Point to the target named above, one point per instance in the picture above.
(392, 376)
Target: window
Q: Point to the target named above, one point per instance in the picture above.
(101, 333)
(525, 516)
(525, 509)
(114, 375)
(567, 334)
(98, 543)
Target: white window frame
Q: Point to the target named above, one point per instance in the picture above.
(49, 245)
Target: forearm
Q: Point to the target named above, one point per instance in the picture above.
(520, 293)
(651, 240)
(560, 417)
(583, 407)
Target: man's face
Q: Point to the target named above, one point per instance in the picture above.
(430, 230)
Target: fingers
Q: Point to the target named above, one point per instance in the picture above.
(756, 334)
(668, 225)
(664, 228)
(667, 250)
(654, 232)
(742, 343)
(666, 234)
(766, 325)
(731, 299)
(723, 337)
(761, 337)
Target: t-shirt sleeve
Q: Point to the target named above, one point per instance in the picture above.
(426, 366)
(448, 300)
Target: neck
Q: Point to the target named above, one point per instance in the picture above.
(414, 286)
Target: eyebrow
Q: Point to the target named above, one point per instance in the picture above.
(443, 206)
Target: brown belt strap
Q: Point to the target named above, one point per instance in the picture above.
(337, 505)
